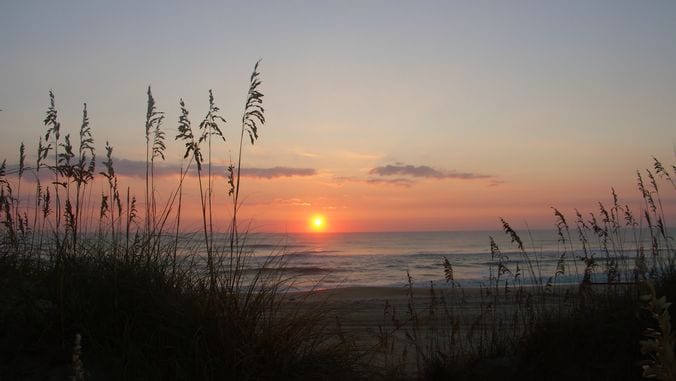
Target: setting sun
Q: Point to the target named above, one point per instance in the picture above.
(317, 223)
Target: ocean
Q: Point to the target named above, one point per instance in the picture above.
(331, 260)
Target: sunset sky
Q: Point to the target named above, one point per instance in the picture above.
(381, 115)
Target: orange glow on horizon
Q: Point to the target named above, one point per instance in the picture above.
(317, 223)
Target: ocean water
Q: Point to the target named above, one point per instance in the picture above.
(331, 260)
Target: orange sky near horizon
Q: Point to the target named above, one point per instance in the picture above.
(290, 204)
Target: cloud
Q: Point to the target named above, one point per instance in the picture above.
(136, 168)
(292, 202)
(283, 202)
(424, 171)
(396, 182)
(274, 172)
(306, 154)
(375, 181)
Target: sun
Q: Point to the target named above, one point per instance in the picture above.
(317, 223)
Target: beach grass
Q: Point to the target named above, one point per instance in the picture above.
(99, 287)
(523, 325)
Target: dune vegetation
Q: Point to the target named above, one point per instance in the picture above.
(96, 287)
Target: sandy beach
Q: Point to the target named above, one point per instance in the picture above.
(365, 313)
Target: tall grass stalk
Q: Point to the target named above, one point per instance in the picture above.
(252, 118)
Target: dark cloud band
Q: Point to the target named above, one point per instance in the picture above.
(137, 169)
(425, 172)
